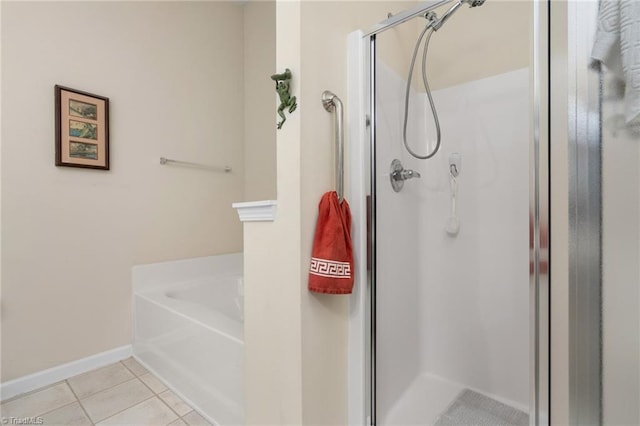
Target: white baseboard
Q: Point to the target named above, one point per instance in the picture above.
(62, 372)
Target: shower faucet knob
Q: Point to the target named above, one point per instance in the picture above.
(398, 174)
(408, 174)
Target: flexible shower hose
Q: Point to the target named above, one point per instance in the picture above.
(426, 86)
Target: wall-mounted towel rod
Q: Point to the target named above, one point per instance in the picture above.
(332, 103)
(225, 169)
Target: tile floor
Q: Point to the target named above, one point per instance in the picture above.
(124, 393)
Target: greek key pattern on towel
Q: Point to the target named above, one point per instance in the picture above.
(330, 268)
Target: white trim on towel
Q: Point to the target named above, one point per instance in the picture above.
(62, 372)
(330, 268)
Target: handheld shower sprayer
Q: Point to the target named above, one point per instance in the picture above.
(433, 25)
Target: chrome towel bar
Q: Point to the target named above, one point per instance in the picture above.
(332, 103)
(165, 161)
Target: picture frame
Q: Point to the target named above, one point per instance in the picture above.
(82, 129)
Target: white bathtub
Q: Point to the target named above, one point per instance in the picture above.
(189, 331)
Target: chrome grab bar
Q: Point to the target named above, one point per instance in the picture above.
(225, 169)
(332, 103)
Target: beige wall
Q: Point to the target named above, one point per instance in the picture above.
(296, 342)
(272, 276)
(259, 93)
(478, 42)
(475, 43)
(70, 236)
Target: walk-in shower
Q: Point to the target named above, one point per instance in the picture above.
(454, 304)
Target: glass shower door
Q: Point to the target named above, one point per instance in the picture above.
(452, 301)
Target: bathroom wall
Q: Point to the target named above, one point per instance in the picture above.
(318, 177)
(70, 236)
(272, 320)
(259, 93)
(296, 342)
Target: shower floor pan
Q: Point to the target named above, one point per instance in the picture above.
(434, 401)
(474, 408)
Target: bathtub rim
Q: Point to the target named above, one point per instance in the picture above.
(208, 318)
(153, 276)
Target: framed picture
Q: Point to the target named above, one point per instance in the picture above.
(82, 129)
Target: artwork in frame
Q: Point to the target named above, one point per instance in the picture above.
(82, 129)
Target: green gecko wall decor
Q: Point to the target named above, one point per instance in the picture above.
(283, 83)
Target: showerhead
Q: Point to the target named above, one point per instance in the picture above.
(437, 23)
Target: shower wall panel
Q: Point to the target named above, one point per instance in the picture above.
(474, 286)
(453, 310)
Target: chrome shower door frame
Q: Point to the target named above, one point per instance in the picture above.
(584, 115)
(539, 220)
(538, 209)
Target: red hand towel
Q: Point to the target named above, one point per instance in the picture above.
(331, 268)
